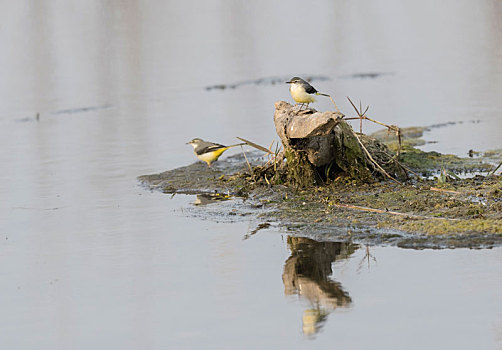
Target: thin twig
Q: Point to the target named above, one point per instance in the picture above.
(400, 140)
(394, 159)
(392, 127)
(358, 111)
(443, 190)
(381, 211)
(494, 170)
(334, 104)
(382, 170)
(249, 165)
(363, 116)
(276, 153)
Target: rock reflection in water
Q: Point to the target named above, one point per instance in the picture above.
(306, 273)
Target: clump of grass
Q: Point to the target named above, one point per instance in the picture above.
(300, 172)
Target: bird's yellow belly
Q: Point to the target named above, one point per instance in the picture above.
(300, 95)
(210, 157)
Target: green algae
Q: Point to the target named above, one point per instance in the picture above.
(429, 163)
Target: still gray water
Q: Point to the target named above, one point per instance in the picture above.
(90, 259)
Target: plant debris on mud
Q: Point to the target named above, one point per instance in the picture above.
(424, 211)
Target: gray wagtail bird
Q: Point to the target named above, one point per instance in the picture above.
(302, 92)
(207, 151)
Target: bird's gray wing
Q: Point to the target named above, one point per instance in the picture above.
(208, 147)
(310, 89)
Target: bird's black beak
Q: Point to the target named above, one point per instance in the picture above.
(288, 82)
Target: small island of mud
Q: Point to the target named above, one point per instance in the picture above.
(376, 189)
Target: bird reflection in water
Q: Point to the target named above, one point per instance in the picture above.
(209, 198)
(306, 273)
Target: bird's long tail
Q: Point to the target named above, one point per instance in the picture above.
(320, 93)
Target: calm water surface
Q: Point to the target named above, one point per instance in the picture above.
(89, 259)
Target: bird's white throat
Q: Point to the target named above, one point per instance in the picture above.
(299, 94)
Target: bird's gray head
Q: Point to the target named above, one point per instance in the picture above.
(195, 142)
(296, 80)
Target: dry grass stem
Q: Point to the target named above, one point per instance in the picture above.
(443, 190)
(252, 144)
(247, 161)
(381, 211)
(379, 168)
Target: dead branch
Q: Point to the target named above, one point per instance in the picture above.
(252, 144)
(362, 115)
